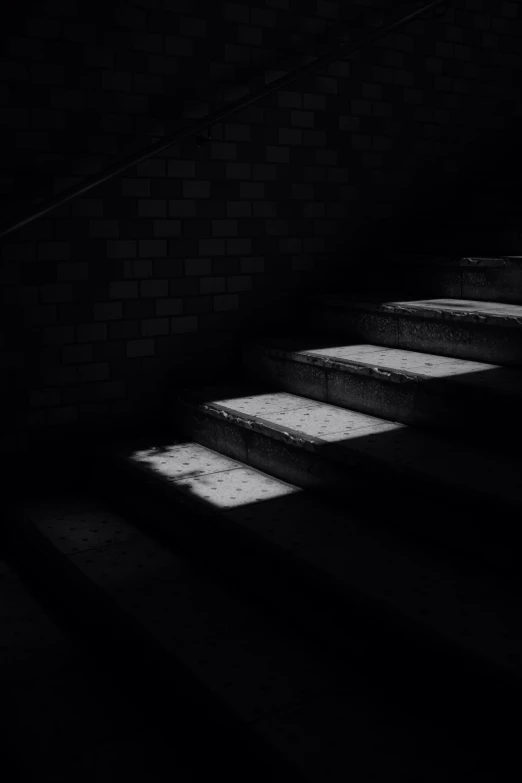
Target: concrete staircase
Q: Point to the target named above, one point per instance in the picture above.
(322, 557)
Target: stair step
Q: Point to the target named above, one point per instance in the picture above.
(316, 719)
(329, 554)
(415, 388)
(496, 279)
(457, 488)
(481, 331)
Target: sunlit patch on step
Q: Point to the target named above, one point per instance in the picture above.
(182, 460)
(236, 488)
(322, 419)
(261, 404)
(369, 434)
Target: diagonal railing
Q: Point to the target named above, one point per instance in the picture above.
(338, 52)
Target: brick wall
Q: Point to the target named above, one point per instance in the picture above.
(151, 279)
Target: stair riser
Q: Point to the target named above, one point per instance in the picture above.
(481, 284)
(482, 343)
(429, 403)
(301, 593)
(354, 480)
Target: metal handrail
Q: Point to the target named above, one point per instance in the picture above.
(339, 52)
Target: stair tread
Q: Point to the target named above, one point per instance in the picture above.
(400, 362)
(457, 603)
(351, 434)
(261, 672)
(453, 309)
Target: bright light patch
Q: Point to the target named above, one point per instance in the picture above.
(235, 488)
(261, 404)
(181, 460)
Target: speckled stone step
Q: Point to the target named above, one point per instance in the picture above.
(463, 328)
(442, 488)
(492, 278)
(482, 400)
(318, 719)
(336, 563)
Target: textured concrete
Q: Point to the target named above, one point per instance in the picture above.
(407, 386)
(260, 672)
(329, 449)
(480, 331)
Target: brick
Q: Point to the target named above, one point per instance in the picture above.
(253, 265)
(107, 311)
(44, 398)
(87, 207)
(196, 189)
(104, 229)
(182, 209)
(211, 247)
(264, 209)
(125, 289)
(54, 251)
(224, 228)
(253, 36)
(192, 27)
(239, 209)
(167, 228)
(290, 245)
(152, 208)
(234, 12)
(73, 271)
(86, 333)
(136, 348)
(148, 84)
(237, 132)
(154, 288)
(77, 354)
(188, 323)
(302, 119)
(121, 248)
(93, 372)
(153, 167)
(195, 305)
(251, 190)
(277, 154)
(212, 285)
(262, 17)
(265, 171)
(313, 138)
(116, 80)
(163, 64)
(239, 246)
(110, 390)
(349, 123)
(151, 327)
(302, 191)
(240, 283)
(153, 248)
(198, 266)
(58, 335)
(289, 100)
(124, 330)
(291, 136)
(169, 307)
(137, 268)
(224, 302)
(180, 47)
(238, 171)
(59, 292)
(223, 150)
(135, 187)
